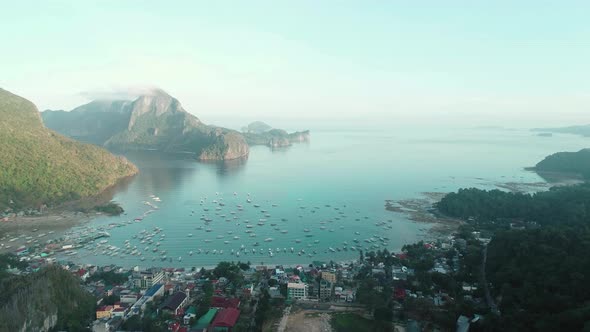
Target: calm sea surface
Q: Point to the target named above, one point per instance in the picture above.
(316, 196)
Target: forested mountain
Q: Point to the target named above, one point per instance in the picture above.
(153, 121)
(39, 166)
(577, 163)
(49, 300)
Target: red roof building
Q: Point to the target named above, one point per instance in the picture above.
(399, 293)
(226, 319)
(223, 302)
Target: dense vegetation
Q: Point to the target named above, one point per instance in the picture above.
(49, 299)
(569, 204)
(111, 208)
(541, 276)
(39, 166)
(567, 162)
(346, 322)
(539, 270)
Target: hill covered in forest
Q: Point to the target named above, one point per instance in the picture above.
(153, 121)
(575, 163)
(537, 260)
(40, 166)
(49, 300)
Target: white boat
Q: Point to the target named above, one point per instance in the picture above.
(268, 239)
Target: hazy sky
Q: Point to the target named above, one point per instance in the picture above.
(512, 63)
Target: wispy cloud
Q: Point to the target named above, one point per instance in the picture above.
(118, 92)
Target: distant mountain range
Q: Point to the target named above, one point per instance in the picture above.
(157, 121)
(153, 121)
(583, 130)
(39, 166)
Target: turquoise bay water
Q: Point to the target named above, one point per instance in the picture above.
(352, 171)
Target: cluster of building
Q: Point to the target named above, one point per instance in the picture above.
(170, 292)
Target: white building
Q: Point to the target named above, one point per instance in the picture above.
(297, 291)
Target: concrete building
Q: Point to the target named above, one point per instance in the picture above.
(149, 295)
(325, 291)
(331, 277)
(104, 311)
(297, 291)
(146, 279)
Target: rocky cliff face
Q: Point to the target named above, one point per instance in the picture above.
(228, 145)
(157, 121)
(50, 299)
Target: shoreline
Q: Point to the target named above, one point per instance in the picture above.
(19, 230)
(422, 210)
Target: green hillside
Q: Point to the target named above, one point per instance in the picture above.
(50, 299)
(567, 162)
(39, 166)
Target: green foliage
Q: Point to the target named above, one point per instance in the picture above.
(111, 208)
(539, 274)
(542, 276)
(268, 309)
(567, 162)
(9, 261)
(39, 166)
(569, 204)
(231, 271)
(51, 291)
(206, 299)
(110, 278)
(354, 323)
(110, 300)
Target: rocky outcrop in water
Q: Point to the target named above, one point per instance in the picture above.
(259, 133)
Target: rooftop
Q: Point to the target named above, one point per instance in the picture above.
(206, 319)
(223, 302)
(227, 317)
(174, 301)
(297, 285)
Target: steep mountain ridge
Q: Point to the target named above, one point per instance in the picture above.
(157, 121)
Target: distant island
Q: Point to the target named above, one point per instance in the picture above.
(153, 121)
(260, 133)
(40, 167)
(583, 130)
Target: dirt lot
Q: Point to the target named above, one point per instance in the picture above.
(305, 321)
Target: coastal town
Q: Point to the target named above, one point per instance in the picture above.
(427, 286)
